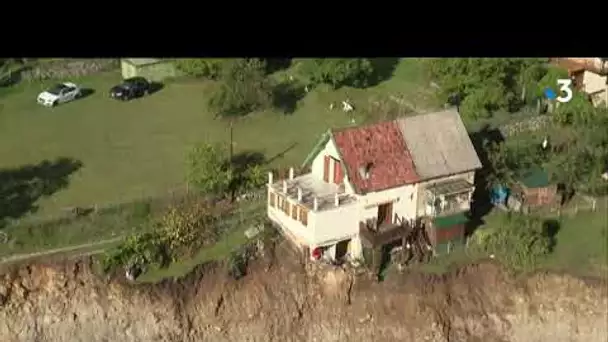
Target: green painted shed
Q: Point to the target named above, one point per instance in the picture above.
(535, 189)
(447, 232)
(153, 69)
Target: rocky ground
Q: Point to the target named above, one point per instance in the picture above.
(280, 300)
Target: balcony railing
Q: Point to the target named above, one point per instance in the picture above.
(449, 208)
(375, 234)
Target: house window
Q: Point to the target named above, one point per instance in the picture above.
(304, 216)
(272, 199)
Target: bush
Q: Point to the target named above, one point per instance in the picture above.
(140, 249)
(337, 72)
(182, 230)
(208, 170)
(518, 241)
(254, 178)
(201, 67)
(190, 226)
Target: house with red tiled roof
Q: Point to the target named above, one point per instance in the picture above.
(369, 185)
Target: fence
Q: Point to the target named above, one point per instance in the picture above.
(581, 203)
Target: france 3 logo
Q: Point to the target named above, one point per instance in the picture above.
(565, 89)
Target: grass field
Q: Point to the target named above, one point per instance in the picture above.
(118, 152)
(581, 247)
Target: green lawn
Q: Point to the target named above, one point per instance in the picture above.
(581, 248)
(581, 244)
(136, 149)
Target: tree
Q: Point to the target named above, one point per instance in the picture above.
(508, 160)
(243, 88)
(338, 72)
(549, 80)
(580, 155)
(189, 226)
(578, 111)
(254, 177)
(492, 83)
(208, 169)
(201, 67)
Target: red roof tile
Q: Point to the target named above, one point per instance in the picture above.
(382, 147)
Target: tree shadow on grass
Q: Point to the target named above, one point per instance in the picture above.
(286, 96)
(22, 187)
(242, 161)
(282, 153)
(277, 64)
(551, 227)
(383, 69)
(481, 203)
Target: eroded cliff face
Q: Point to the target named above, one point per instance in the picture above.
(286, 302)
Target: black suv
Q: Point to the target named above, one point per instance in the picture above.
(130, 88)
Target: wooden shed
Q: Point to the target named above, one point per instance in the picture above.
(153, 69)
(447, 232)
(534, 189)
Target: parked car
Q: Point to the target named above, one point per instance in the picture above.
(60, 93)
(130, 88)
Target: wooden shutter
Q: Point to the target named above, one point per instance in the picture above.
(338, 174)
(326, 169)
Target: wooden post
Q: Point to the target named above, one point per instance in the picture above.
(284, 186)
(270, 178)
(299, 194)
(291, 173)
(315, 204)
(336, 200)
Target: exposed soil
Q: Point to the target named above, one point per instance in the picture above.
(280, 300)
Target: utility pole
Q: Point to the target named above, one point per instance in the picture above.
(231, 141)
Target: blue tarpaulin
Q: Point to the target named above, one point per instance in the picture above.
(499, 195)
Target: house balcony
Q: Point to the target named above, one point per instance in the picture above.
(310, 192)
(448, 198)
(374, 235)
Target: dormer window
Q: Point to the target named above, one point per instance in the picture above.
(365, 170)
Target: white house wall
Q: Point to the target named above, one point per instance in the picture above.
(337, 224)
(594, 82)
(317, 164)
(595, 85)
(304, 234)
(404, 202)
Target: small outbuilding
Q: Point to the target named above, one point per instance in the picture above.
(534, 190)
(153, 69)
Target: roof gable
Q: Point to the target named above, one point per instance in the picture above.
(319, 146)
(375, 157)
(439, 144)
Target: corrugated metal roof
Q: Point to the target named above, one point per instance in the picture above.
(450, 220)
(439, 144)
(535, 178)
